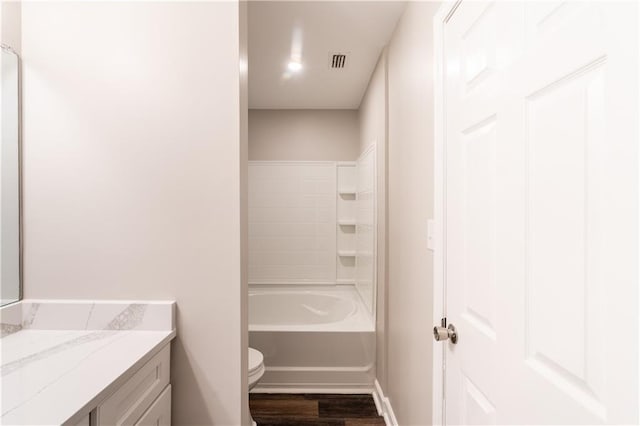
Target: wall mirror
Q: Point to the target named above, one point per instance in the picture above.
(10, 271)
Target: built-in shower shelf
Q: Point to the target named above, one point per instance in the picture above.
(346, 188)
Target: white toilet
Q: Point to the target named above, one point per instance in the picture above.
(256, 369)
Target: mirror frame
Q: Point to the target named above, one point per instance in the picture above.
(11, 50)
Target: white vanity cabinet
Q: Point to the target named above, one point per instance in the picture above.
(143, 399)
(85, 421)
(159, 414)
(87, 363)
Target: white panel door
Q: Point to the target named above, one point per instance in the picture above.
(541, 215)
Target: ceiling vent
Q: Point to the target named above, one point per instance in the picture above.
(337, 61)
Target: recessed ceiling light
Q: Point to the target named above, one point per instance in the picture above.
(294, 66)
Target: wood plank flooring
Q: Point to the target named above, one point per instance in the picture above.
(313, 410)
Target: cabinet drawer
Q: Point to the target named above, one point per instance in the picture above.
(85, 421)
(159, 414)
(133, 398)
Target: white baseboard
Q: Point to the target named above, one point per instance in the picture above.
(383, 405)
(316, 380)
(312, 388)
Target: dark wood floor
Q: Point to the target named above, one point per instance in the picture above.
(314, 410)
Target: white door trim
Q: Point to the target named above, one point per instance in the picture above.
(439, 291)
(638, 177)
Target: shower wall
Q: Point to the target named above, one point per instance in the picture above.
(314, 222)
(284, 142)
(292, 222)
(312, 201)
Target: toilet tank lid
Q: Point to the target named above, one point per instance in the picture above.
(255, 359)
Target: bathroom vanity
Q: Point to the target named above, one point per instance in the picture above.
(70, 362)
(86, 363)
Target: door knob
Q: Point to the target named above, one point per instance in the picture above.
(444, 333)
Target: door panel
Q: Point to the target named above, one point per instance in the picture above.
(471, 46)
(477, 410)
(541, 212)
(563, 120)
(478, 151)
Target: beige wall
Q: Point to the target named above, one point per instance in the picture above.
(10, 24)
(303, 135)
(410, 294)
(244, 205)
(373, 130)
(372, 114)
(132, 165)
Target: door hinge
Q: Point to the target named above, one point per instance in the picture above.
(431, 234)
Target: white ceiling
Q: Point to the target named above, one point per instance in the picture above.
(279, 30)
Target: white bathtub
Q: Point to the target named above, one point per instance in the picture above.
(314, 339)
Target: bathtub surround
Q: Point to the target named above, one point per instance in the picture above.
(61, 359)
(313, 222)
(366, 241)
(133, 176)
(292, 222)
(310, 315)
(346, 222)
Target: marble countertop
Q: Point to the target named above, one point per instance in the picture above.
(56, 370)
